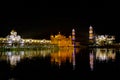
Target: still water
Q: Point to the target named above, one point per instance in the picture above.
(67, 63)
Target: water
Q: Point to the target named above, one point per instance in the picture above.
(67, 63)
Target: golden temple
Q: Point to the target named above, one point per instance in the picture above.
(61, 40)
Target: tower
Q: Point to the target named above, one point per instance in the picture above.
(91, 36)
(73, 36)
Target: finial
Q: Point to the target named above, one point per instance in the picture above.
(73, 29)
(90, 26)
(59, 32)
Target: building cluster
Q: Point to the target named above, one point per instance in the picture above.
(100, 40)
(104, 40)
(14, 40)
(60, 40)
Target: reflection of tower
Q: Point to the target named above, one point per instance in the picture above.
(91, 61)
(91, 36)
(73, 56)
(73, 36)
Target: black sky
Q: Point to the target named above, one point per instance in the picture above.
(40, 19)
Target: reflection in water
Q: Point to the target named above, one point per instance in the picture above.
(101, 54)
(105, 54)
(91, 61)
(13, 57)
(73, 56)
(63, 55)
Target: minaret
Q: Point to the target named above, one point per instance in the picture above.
(91, 36)
(73, 36)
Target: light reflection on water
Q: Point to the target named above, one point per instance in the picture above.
(72, 61)
(57, 57)
(101, 55)
(63, 55)
(13, 57)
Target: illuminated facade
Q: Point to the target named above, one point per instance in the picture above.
(14, 38)
(102, 40)
(61, 40)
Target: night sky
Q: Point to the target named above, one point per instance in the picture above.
(41, 19)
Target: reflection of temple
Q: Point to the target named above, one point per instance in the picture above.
(105, 54)
(63, 55)
(61, 40)
(13, 57)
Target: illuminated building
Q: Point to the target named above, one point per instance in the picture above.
(61, 40)
(101, 40)
(91, 36)
(14, 38)
(58, 40)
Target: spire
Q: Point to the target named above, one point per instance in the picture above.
(90, 27)
(59, 33)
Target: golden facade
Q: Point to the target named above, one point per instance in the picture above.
(61, 40)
